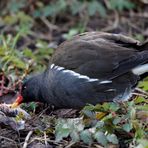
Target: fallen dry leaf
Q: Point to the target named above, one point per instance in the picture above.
(8, 116)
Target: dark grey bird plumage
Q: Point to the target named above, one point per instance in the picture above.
(91, 68)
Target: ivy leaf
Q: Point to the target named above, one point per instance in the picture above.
(127, 127)
(15, 5)
(75, 136)
(89, 107)
(99, 124)
(116, 120)
(66, 127)
(86, 137)
(62, 133)
(101, 138)
(54, 8)
(76, 7)
(89, 114)
(61, 130)
(114, 106)
(112, 138)
(95, 6)
(121, 4)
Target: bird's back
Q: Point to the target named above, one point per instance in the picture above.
(99, 55)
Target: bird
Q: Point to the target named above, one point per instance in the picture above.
(91, 68)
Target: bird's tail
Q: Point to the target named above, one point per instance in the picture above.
(142, 69)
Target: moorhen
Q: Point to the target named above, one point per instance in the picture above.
(93, 67)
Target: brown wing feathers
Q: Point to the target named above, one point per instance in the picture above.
(99, 54)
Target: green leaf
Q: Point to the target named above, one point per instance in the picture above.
(10, 20)
(18, 63)
(37, 13)
(112, 138)
(76, 6)
(89, 113)
(75, 136)
(33, 106)
(66, 127)
(140, 100)
(62, 130)
(99, 124)
(15, 5)
(71, 33)
(127, 127)
(2, 51)
(114, 106)
(121, 4)
(6, 58)
(139, 133)
(101, 138)
(62, 133)
(117, 120)
(95, 6)
(144, 85)
(142, 107)
(54, 8)
(48, 10)
(86, 137)
(28, 53)
(89, 107)
(106, 106)
(38, 132)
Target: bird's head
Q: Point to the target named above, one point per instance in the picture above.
(29, 91)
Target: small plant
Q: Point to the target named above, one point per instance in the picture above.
(127, 118)
(15, 64)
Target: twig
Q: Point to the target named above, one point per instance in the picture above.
(115, 24)
(9, 140)
(135, 27)
(27, 139)
(48, 24)
(40, 35)
(138, 94)
(42, 139)
(141, 91)
(69, 145)
(43, 111)
(45, 137)
(141, 15)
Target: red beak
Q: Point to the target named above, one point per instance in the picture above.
(18, 101)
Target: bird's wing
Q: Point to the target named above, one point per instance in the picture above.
(98, 55)
(70, 89)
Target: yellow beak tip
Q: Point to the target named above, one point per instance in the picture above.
(14, 105)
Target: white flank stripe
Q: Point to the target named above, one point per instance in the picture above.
(140, 69)
(105, 82)
(52, 65)
(73, 73)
